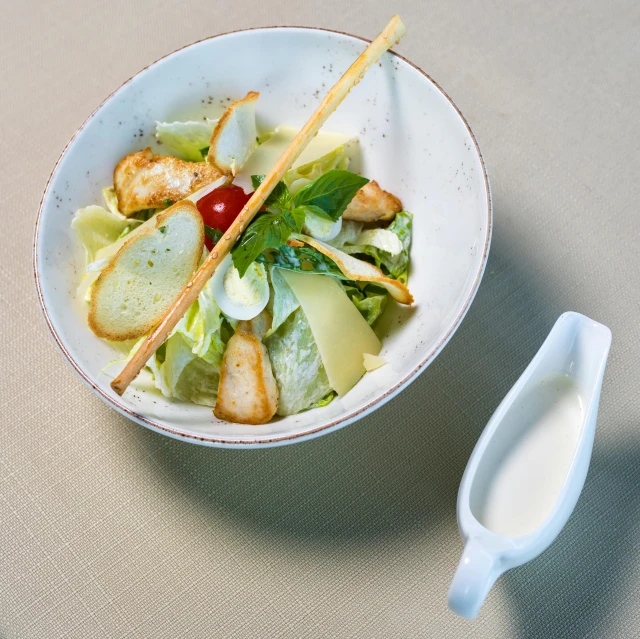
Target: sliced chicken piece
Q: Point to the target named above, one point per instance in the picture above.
(259, 325)
(247, 393)
(372, 204)
(145, 180)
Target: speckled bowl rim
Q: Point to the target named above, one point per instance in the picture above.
(311, 432)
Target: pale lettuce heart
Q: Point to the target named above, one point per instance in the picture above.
(187, 139)
(183, 375)
(300, 176)
(187, 365)
(111, 199)
(97, 228)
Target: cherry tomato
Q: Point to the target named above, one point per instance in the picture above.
(221, 207)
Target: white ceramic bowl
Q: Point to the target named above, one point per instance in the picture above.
(414, 141)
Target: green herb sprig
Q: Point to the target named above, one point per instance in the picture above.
(328, 197)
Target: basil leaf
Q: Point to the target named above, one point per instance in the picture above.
(331, 192)
(295, 218)
(279, 198)
(267, 231)
(303, 259)
(213, 234)
(204, 151)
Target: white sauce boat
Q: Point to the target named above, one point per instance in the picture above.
(528, 468)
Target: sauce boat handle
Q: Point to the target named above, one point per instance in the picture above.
(476, 573)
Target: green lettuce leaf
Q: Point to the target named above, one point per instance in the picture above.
(300, 375)
(349, 234)
(383, 239)
(369, 299)
(186, 139)
(282, 301)
(325, 401)
(353, 240)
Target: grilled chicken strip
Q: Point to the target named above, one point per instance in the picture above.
(247, 393)
(372, 204)
(145, 180)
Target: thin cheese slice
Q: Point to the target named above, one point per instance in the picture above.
(265, 156)
(373, 362)
(340, 332)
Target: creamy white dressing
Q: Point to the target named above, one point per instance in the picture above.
(521, 475)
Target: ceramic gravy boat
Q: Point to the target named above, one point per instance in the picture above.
(528, 468)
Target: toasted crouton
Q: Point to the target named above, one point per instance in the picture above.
(147, 274)
(372, 204)
(145, 180)
(247, 393)
(234, 137)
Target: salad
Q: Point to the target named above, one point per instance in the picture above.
(286, 322)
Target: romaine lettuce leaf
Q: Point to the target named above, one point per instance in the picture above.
(187, 139)
(370, 300)
(297, 365)
(354, 241)
(97, 228)
(282, 301)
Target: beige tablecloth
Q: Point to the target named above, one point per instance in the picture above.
(109, 530)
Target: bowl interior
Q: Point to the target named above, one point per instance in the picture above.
(413, 141)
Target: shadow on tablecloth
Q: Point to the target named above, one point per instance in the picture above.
(575, 584)
(400, 467)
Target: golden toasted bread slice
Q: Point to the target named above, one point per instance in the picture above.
(145, 180)
(234, 138)
(147, 274)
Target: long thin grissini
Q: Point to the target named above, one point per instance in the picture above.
(384, 41)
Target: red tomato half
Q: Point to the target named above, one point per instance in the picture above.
(221, 207)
